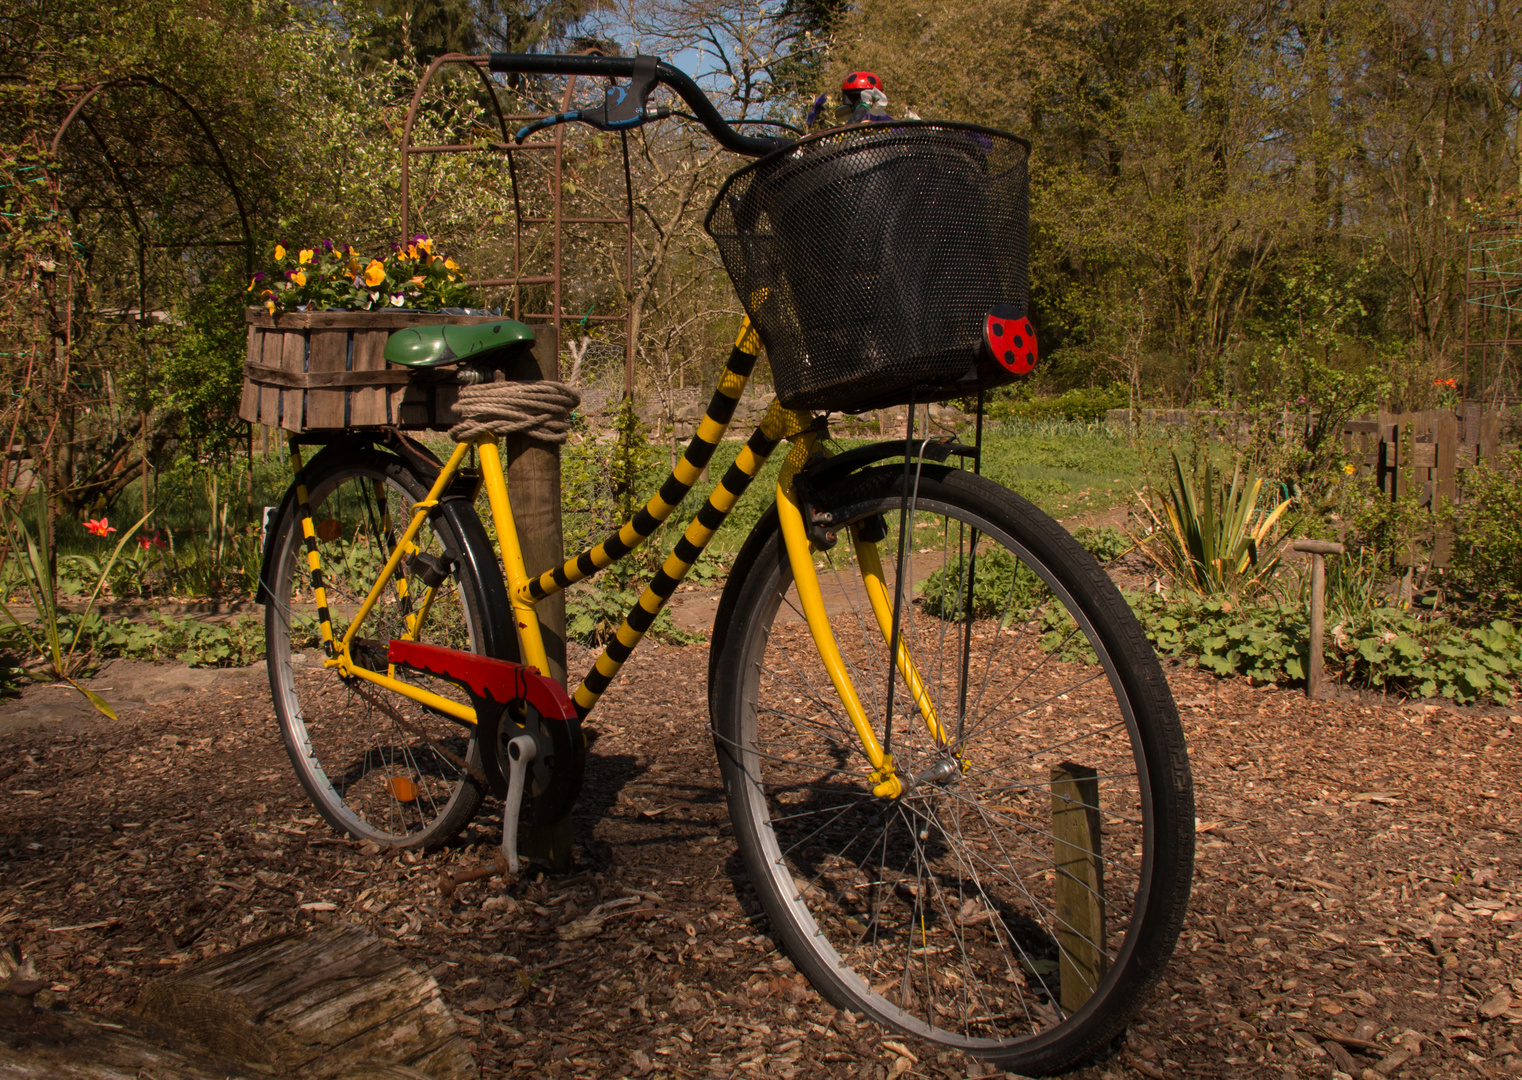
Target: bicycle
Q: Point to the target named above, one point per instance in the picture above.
(955, 772)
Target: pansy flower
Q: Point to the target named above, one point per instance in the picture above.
(279, 252)
(375, 273)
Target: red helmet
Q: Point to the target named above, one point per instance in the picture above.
(862, 80)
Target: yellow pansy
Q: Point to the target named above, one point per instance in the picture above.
(416, 280)
(425, 244)
(279, 252)
(375, 273)
(271, 305)
(298, 279)
(450, 264)
(305, 256)
(411, 251)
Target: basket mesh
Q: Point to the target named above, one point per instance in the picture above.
(867, 258)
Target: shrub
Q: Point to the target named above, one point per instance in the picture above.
(1383, 649)
(1002, 585)
(1212, 539)
(1106, 543)
(1080, 403)
(1487, 564)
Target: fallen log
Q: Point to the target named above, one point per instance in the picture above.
(336, 1004)
(314, 1005)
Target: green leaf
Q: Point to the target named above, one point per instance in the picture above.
(95, 699)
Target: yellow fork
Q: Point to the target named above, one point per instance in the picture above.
(886, 782)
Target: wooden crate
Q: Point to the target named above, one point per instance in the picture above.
(307, 371)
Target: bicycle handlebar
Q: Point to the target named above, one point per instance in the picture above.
(624, 67)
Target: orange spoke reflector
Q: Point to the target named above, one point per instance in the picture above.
(402, 787)
(329, 530)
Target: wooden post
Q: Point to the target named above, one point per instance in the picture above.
(1490, 437)
(533, 481)
(1445, 481)
(1318, 550)
(1079, 887)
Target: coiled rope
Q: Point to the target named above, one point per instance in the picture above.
(539, 410)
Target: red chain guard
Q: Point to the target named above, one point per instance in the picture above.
(500, 681)
(493, 685)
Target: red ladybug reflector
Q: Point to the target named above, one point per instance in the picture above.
(1011, 340)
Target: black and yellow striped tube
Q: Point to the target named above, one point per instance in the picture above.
(778, 424)
(721, 409)
(314, 564)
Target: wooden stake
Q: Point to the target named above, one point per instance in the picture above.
(1080, 906)
(1318, 550)
(533, 481)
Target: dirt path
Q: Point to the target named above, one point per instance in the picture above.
(1358, 878)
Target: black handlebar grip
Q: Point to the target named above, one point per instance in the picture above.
(623, 67)
(558, 64)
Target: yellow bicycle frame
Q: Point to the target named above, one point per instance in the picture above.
(525, 591)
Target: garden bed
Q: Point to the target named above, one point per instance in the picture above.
(1359, 879)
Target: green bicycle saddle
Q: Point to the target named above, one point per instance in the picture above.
(433, 345)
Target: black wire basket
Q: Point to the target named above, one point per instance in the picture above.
(867, 258)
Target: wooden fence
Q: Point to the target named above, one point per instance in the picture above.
(1423, 454)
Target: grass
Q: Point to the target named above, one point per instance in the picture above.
(1065, 467)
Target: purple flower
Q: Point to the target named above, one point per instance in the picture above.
(259, 275)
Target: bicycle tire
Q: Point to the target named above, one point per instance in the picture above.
(377, 765)
(939, 913)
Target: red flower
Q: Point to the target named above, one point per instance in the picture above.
(155, 541)
(99, 527)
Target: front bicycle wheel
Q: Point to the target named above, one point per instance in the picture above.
(378, 765)
(1027, 887)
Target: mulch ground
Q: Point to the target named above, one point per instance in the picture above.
(1356, 906)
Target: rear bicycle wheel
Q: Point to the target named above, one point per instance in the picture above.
(376, 764)
(1025, 891)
